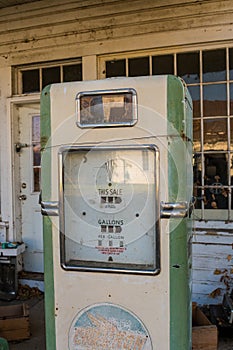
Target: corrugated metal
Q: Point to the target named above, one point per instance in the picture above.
(48, 24)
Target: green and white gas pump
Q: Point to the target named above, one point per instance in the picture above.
(116, 198)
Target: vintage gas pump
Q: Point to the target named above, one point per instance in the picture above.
(116, 199)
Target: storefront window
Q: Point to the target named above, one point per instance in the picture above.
(209, 77)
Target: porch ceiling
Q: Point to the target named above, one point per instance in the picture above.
(8, 3)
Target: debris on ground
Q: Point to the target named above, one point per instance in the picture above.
(26, 292)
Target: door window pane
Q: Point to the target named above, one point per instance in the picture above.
(30, 81)
(163, 64)
(188, 67)
(214, 65)
(115, 68)
(214, 99)
(215, 134)
(36, 152)
(138, 66)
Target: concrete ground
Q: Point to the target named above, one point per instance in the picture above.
(37, 328)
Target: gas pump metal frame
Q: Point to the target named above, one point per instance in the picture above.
(158, 304)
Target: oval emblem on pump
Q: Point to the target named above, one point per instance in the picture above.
(108, 327)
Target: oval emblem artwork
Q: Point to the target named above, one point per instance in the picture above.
(108, 327)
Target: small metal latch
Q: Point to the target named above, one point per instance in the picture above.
(49, 208)
(19, 145)
(174, 210)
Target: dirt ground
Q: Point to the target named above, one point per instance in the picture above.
(225, 343)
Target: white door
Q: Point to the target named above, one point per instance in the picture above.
(27, 184)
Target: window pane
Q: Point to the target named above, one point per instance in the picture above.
(115, 68)
(214, 65)
(188, 67)
(163, 64)
(138, 66)
(197, 135)
(231, 99)
(231, 62)
(195, 94)
(72, 72)
(215, 168)
(36, 128)
(50, 75)
(30, 81)
(215, 134)
(231, 133)
(197, 170)
(215, 99)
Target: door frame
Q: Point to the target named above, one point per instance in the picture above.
(10, 192)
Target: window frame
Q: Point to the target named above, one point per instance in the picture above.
(202, 213)
(17, 87)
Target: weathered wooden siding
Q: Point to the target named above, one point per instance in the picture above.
(29, 30)
(212, 261)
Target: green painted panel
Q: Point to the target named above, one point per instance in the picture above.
(179, 116)
(47, 224)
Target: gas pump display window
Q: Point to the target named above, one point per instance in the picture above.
(107, 108)
(109, 209)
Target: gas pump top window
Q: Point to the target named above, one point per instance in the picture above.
(107, 108)
(109, 209)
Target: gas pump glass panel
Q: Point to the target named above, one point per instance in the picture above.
(110, 209)
(106, 108)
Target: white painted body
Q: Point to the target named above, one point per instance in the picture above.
(147, 297)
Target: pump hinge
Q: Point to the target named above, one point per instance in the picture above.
(49, 208)
(174, 210)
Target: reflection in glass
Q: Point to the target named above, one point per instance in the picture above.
(197, 189)
(231, 134)
(98, 185)
(195, 94)
(106, 108)
(215, 99)
(188, 67)
(214, 65)
(211, 192)
(197, 135)
(216, 176)
(215, 134)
